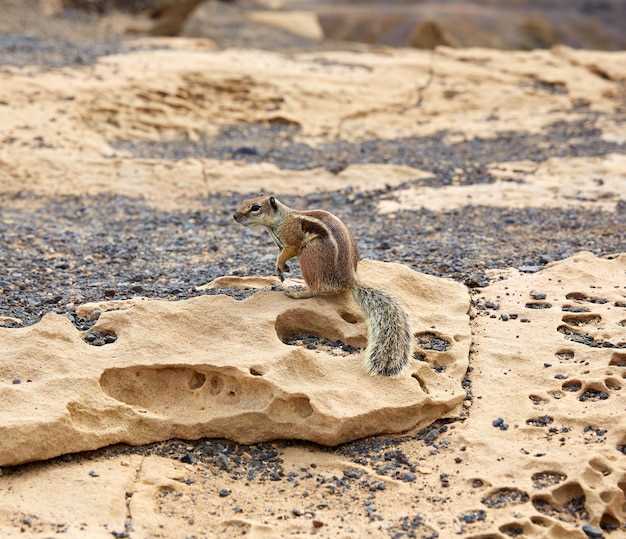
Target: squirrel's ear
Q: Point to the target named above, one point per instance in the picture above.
(273, 203)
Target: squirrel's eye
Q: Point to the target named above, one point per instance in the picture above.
(255, 207)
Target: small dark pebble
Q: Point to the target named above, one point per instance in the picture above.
(444, 480)
(352, 473)
(187, 458)
(224, 492)
(407, 477)
(16, 381)
(542, 421)
(474, 516)
(499, 423)
(592, 532)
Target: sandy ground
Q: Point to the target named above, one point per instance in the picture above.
(118, 177)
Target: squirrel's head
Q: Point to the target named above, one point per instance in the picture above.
(263, 211)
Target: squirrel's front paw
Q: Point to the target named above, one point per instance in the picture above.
(280, 271)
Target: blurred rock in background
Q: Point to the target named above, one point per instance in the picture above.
(514, 24)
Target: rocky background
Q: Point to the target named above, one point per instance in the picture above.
(496, 176)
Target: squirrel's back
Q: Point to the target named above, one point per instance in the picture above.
(332, 261)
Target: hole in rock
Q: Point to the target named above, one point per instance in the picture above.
(540, 521)
(572, 385)
(538, 305)
(197, 380)
(565, 494)
(99, 338)
(555, 394)
(609, 523)
(185, 391)
(568, 506)
(314, 342)
(620, 304)
(574, 309)
(512, 529)
(311, 330)
(593, 392)
(579, 296)
(582, 319)
(536, 399)
(428, 340)
(547, 479)
(598, 465)
(256, 371)
(439, 363)
(613, 384)
(290, 409)
(606, 496)
(622, 323)
(350, 318)
(618, 360)
(565, 355)
(574, 335)
(505, 496)
(216, 384)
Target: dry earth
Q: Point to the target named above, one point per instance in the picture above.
(118, 176)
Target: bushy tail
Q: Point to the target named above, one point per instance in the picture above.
(388, 332)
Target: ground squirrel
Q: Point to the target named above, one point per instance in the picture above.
(328, 258)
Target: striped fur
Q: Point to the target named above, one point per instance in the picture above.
(388, 332)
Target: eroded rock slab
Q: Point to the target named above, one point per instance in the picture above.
(212, 366)
(549, 358)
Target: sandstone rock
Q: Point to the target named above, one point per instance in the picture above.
(557, 467)
(213, 366)
(558, 380)
(596, 182)
(349, 96)
(475, 23)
